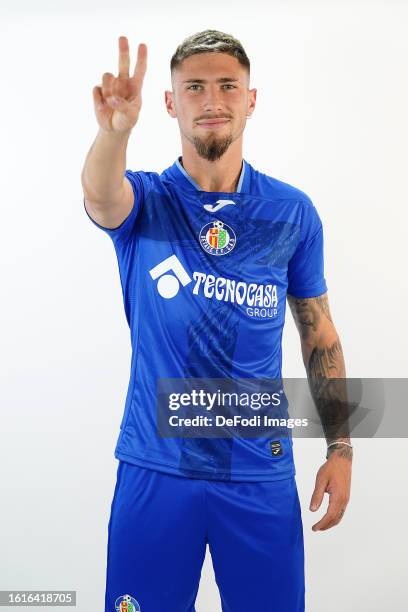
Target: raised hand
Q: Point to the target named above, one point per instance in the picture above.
(118, 101)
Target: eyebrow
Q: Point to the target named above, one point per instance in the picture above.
(220, 80)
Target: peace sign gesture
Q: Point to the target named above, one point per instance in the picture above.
(118, 101)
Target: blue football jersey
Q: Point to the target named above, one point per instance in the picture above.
(204, 278)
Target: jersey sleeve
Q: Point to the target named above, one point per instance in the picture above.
(306, 266)
(141, 184)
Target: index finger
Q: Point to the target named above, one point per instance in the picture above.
(124, 59)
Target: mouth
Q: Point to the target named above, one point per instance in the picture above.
(212, 123)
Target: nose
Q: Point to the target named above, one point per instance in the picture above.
(212, 99)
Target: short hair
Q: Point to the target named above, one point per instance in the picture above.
(209, 41)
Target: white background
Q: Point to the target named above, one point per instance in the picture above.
(331, 119)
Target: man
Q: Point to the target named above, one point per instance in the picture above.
(208, 251)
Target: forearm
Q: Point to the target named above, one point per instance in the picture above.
(105, 165)
(325, 367)
(326, 374)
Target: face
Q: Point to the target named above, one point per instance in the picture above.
(211, 101)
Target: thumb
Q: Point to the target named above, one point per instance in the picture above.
(317, 496)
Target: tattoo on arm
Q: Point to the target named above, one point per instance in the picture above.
(308, 314)
(324, 362)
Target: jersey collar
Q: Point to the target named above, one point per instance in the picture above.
(182, 177)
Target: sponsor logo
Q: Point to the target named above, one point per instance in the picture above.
(168, 285)
(260, 301)
(127, 603)
(217, 238)
(230, 290)
(218, 205)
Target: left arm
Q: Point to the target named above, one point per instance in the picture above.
(324, 362)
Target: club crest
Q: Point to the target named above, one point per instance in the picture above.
(217, 238)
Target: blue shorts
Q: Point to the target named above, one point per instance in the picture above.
(159, 528)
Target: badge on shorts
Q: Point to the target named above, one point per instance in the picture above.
(276, 448)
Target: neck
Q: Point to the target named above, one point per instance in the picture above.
(220, 175)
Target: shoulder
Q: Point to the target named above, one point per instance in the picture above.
(147, 179)
(276, 188)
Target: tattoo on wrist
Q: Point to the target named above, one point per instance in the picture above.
(341, 450)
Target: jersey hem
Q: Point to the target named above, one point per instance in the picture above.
(204, 474)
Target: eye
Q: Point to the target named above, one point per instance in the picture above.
(229, 85)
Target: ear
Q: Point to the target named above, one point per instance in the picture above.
(169, 102)
(251, 101)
